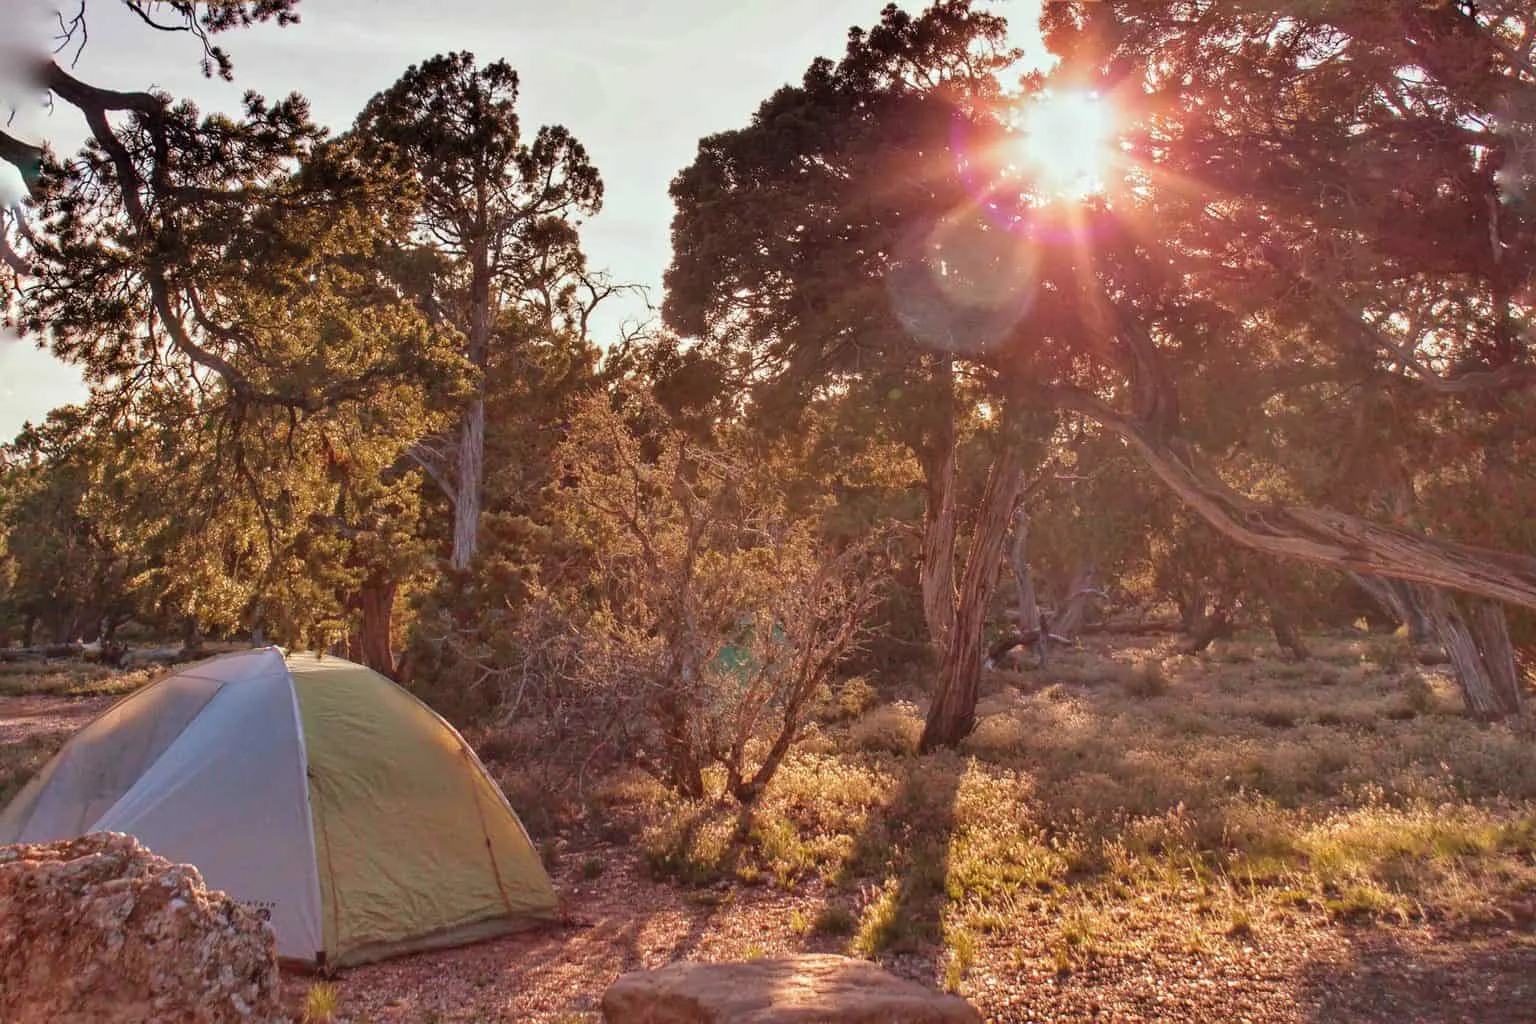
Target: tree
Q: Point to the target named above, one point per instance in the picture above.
(870, 215)
(467, 649)
(500, 213)
(1335, 238)
(1329, 245)
(67, 564)
(803, 246)
(222, 284)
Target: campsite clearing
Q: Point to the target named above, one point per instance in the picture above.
(1318, 898)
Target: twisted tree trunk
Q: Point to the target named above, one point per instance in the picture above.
(1286, 633)
(953, 713)
(1477, 641)
(938, 568)
(1396, 598)
(1074, 604)
(1031, 622)
(1211, 623)
(1024, 579)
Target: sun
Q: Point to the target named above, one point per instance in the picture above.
(1065, 143)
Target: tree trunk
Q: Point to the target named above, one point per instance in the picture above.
(1029, 604)
(684, 770)
(1491, 627)
(1211, 624)
(938, 569)
(466, 508)
(1398, 600)
(1030, 619)
(1286, 633)
(371, 644)
(953, 713)
(471, 480)
(1482, 657)
(1068, 620)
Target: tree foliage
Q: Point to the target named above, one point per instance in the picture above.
(1288, 228)
(226, 287)
(497, 224)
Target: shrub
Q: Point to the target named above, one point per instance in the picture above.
(850, 699)
(1146, 678)
(320, 1003)
(894, 727)
(713, 614)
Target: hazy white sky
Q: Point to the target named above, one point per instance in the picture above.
(637, 83)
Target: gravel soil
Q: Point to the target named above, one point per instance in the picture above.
(1180, 968)
(1293, 971)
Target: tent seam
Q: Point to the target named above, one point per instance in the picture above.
(309, 808)
(490, 847)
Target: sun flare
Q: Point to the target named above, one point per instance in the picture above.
(1065, 143)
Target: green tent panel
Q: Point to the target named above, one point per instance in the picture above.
(312, 789)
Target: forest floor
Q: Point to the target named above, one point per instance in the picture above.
(1131, 835)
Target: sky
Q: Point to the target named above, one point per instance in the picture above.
(638, 84)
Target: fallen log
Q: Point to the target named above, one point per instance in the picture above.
(163, 656)
(114, 655)
(1166, 627)
(46, 652)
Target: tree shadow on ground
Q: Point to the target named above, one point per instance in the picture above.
(892, 890)
(1424, 977)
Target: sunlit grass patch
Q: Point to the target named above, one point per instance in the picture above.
(895, 728)
(961, 946)
(904, 912)
(71, 679)
(320, 1002)
(1241, 800)
(22, 760)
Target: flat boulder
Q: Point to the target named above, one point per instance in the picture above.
(804, 989)
(100, 930)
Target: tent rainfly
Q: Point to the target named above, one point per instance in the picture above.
(342, 809)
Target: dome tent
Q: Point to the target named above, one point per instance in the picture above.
(315, 790)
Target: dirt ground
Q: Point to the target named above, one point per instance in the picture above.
(623, 922)
(24, 717)
(1185, 969)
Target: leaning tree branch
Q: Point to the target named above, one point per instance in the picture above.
(26, 158)
(435, 465)
(96, 104)
(1321, 536)
(8, 254)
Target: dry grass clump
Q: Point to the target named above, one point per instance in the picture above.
(847, 700)
(72, 679)
(320, 1001)
(895, 728)
(22, 760)
(1145, 678)
(997, 735)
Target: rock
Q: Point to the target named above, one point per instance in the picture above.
(817, 988)
(99, 929)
